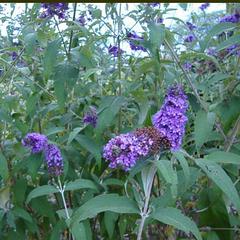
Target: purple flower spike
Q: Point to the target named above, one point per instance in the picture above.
(54, 160)
(153, 4)
(51, 9)
(35, 141)
(82, 20)
(204, 6)
(187, 66)
(234, 18)
(134, 41)
(124, 150)
(115, 51)
(171, 119)
(190, 38)
(212, 51)
(91, 117)
(191, 26)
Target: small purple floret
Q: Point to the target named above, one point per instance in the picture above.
(187, 66)
(54, 160)
(51, 9)
(91, 117)
(234, 18)
(35, 141)
(171, 119)
(204, 6)
(153, 4)
(190, 38)
(82, 20)
(115, 51)
(134, 41)
(191, 26)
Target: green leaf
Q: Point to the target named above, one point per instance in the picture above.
(90, 146)
(30, 40)
(110, 219)
(3, 167)
(203, 126)
(157, 34)
(50, 57)
(169, 174)
(54, 130)
(219, 28)
(221, 179)
(143, 111)
(109, 112)
(41, 191)
(183, 6)
(180, 157)
(21, 213)
(103, 203)
(65, 78)
(223, 157)
(175, 218)
(229, 42)
(80, 184)
(73, 134)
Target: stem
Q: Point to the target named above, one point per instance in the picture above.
(60, 33)
(144, 212)
(119, 64)
(61, 190)
(71, 36)
(204, 106)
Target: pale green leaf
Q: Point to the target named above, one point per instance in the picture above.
(175, 218)
(221, 179)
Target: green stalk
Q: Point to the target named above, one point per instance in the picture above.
(71, 36)
(145, 210)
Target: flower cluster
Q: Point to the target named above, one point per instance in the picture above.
(82, 20)
(234, 49)
(39, 143)
(204, 6)
(124, 150)
(91, 117)
(35, 141)
(54, 160)
(153, 4)
(187, 66)
(191, 26)
(51, 9)
(171, 119)
(134, 41)
(234, 18)
(190, 38)
(115, 51)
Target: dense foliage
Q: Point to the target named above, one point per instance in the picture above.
(112, 132)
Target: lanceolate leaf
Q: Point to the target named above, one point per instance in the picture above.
(221, 179)
(103, 203)
(80, 184)
(203, 126)
(175, 218)
(223, 157)
(41, 191)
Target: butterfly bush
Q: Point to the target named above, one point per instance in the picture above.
(90, 117)
(39, 143)
(35, 141)
(52, 9)
(126, 149)
(54, 160)
(204, 6)
(134, 41)
(115, 50)
(171, 119)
